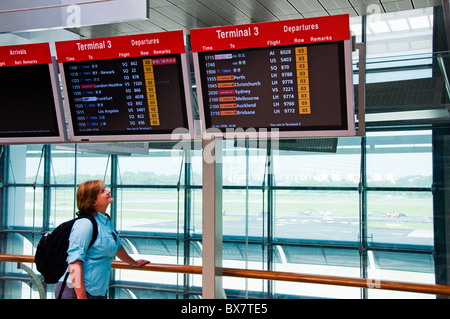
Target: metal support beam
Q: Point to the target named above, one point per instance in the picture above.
(270, 217)
(34, 278)
(446, 11)
(441, 205)
(4, 155)
(361, 89)
(187, 216)
(114, 179)
(47, 189)
(212, 219)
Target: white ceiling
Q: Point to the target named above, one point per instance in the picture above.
(170, 15)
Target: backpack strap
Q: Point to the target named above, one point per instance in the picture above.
(63, 285)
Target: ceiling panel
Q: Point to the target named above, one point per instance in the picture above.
(397, 6)
(313, 14)
(279, 8)
(254, 10)
(350, 11)
(146, 26)
(176, 15)
(228, 12)
(98, 31)
(203, 14)
(365, 3)
(335, 4)
(169, 15)
(172, 15)
(159, 3)
(181, 2)
(426, 3)
(305, 7)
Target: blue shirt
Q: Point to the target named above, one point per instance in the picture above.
(96, 260)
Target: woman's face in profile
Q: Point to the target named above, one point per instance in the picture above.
(103, 200)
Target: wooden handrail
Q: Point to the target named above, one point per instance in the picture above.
(185, 269)
(441, 290)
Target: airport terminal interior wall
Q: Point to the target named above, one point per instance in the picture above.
(366, 210)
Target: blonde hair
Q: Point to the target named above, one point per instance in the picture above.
(87, 195)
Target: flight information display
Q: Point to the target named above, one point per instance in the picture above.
(293, 76)
(30, 107)
(126, 88)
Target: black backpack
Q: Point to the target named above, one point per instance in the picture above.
(51, 251)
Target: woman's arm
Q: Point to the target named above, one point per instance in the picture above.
(79, 240)
(123, 255)
(77, 276)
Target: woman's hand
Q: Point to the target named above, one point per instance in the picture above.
(140, 262)
(123, 255)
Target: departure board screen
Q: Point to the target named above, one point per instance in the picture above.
(265, 76)
(120, 96)
(290, 88)
(139, 95)
(29, 101)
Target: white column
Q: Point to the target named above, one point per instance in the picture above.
(212, 219)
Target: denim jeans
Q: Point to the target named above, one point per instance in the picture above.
(69, 292)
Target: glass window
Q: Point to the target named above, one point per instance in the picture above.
(399, 159)
(243, 213)
(196, 212)
(403, 267)
(317, 261)
(18, 289)
(20, 243)
(244, 256)
(158, 167)
(317, 215)
(400, 218)
(62, 164)
(399, 39)
(396, 162)
(26, 164)
(196, 167)
(26, 206)
(157, 250)
(240, 170)
(63, 205)
(339, 166)
(150, 210)
(92, 166)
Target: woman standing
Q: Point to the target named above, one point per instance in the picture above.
(90, 267)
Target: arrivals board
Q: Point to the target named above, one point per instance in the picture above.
(293, 77)
(126, 88)
(30, 103)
